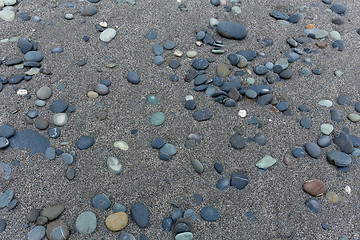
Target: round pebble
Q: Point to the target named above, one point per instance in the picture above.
(157, 118)
(114, 165)
(101, 201)
(209, 213)
(86, 223)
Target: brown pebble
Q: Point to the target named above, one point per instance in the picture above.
(321, 44)
(288, 161)
(116, 221)
(234, 94)
(57, 230)
(314, 187)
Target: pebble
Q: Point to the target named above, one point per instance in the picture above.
(184, 236)
(133, 77)
(157, 118)
(344, 143)
(354, 117)
(88, 10)
(68, 16)
(305, 122)
(6, 131)
(260, 139)
(191, 214)
(15, 79)
(222, 70)
(169, 45)
(209, 213)
(118, 207)
(265, 99)
(116, 221)
(57, 50)
(260, 69)
(60, 119)
(86, 223)
(53, 212)
(177, 214)
(325, 103)
(231, 30)
(317, 33)
(70, 173)
(239, 180)
(68, 158)
(339, 159)
(157, 143)
(158, 60)
(174, 64)
(292, 57)
(140, 214)
(202, 114)
(279, 15)
(282, 106)
(107, 35)
(101, 89)
(166, 224)
(190, 104)
(357, 107)
(200, 64)
(286, 74)
(32, 113)
(101, 201)
(114, 165)
(237, 141)
(191, 53)
(151, 35)
(314, 187)
(338, 8)
(44, 93)
(54, 132)
(58, 106)
(298, 152)
(2, 225)
(197, 165)
(6, 198)
(37, 233)
(158, 49)
(39, 103)
(324, 141)
(335, 115)
(313, 149)
(223, 184)
(33, 56)
(50, 153)
(313, 205)
(126, 236)
(41, 124)
(266, 162)
(57, 230)
(168, 149)
(326, 128)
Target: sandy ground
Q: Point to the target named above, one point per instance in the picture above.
(276, 198)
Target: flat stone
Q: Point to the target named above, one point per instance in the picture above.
(7, 131)
(2, 225)
(44, 93)
(209, 213)
(158, 143)
(88, 10)
(317, 33)
(116, 221)
(313, 149)
(184, 236)
(85, 142)
(125, 235)
(107, 35)
(325, 103)
(158, 60)
(151, 34)
(282, 106)
(200, 64)
(25, 45)
(168, 149)
(305, 122)
(101, 201)
(33, 56)
(58, 106)
(57, 230)
(344, 143)
(17, 78)
(114, 165)
(222, 70)
(157, 118)
(166, 224)
(140, 214)
(70, 173)
(260, 139)
(14, 61)
(335, 115)
(339, 159)
(57, 50)
(60, 119)
(239, 180)
(314, 187)
(354, 117)
(133, 77)
(279, 15)
(202, 114)
(31, 140)
(6, 198)
(265, 99)
(338, 8)
(52, 213)
(313, 205)
(101, 89)
(326, 128)
(37, 233)
(177, 214)
(223, 184)
(50, 153)
(86, 223)
(324, 141)
(197, 165)
(266, 162)
(237, 141)
(249, 55)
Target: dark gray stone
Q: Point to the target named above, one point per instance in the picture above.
(344, 143)
(33, 215)
(265, 99)
(200, 64)
(237, 141)
(58, 106)
(140, 214)
(7, 131)
(85, 142)
(101, 201)
(202, 114)
(313, 149)
(30, 140)
(169, 45)
(209, 213)
(17, 78)
(344, 99)
(249, 55)
(279, 15)
(305, 122)
(231, 30)
(13, 62)
(133, 77)
(88, 10)
(335, 115)
(239, 180)
(177, 214)
(33, 56)
(339, 159)
(338, 8)
(324, 141)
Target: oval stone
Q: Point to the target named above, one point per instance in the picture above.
(44, 93)
(114, 165)
(86, 223)
(57, 230)
(314, 187)
(85, 142)
(140, 214)
(231, 30)
(52, 212)
(101, 201)
(107, 35)
(60, 119)
(116, 221)
(166, 224)
(313, 205)
(157, 118)
(121, 145)
(266, 162)
(239, 180)
(339, 159)
(199, 168)
(37, 233)
(126, 236)
(313, 149)
(209, 213)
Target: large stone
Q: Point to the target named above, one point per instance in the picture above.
(140, 214)
(52, 212)
(231, 30)
(116, 221)
(86, 223)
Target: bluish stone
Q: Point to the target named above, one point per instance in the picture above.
(133, 77)
(37, 233)
(143, 237)
(231, 30)
(260, 139)
(166, 224)
(294, 18)
(106, 82)
(305, 122)
(200, 79)
(85, 142)
(101, 201)
(126, 236)
(190, 104)
(313, 205)
(218, 81)
(168, 149)
(282, 106)
(313, 149)
(6, 198)
(209, 213)
(202, 114)
(54, 132)
(233, 59)
(198, 199)
(57, 50)
(292, 57)
(70, 109)
(344, 99)
(181, 228)
(68, 158)
(250, 216)
(59, 106)
(15, 79)
(151, 35)
(260, 69)
(338, 44)
(169, 45)
(174, 78)
(33, 56)
(50, 153)
(200, 35)
(25, 45)
(344, 143)
(31, 140)
(339, 159)
(158, 143)
(219, 168)
(32, 113)
(250, 93)
(335, 115)
(324, 141)
(316, 71)
(2, 225)
(190, 214)
(140, 214)
(158, 60)
(174, 64)
(177, 214)
(279, 15)
(357, 107)
(265, 99)
(324, 226)
(200, 64)
(4, 142)
(286, 74)
(230, 103)
(338, 8)
(24, 16)
(249, 55)
(304, 108)
(223, 184)
(239, 180)
(298, 152)
(215, 2)
(237, 141)
(88, 10)
(355, 140)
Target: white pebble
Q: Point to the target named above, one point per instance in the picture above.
(189, 97)
(22, 92)
(348, 190)
(122, 145)
(242, 113)
(60, 119)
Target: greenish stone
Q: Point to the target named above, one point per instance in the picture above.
(343, 238)
(338, 73)
(336, 35)
(157, 118)
(283, 62)
(266, 162)
(325, 103)
(32, 71)
(236, 9)
(14, 39)
(39, 103)
(326, 128)
(305, 72)
(4, 40)
(153, 99)
(222, 70)
(283, 23)
(19, 66)
(52, 212)
(199, 168)
(184, 236)
(220, 99)
(191, 53)
(118, 207)
(242, 62)
(218, 51)
(354, 117)
(250, 80)
(333, 197)
(213, 22)
(110, 65)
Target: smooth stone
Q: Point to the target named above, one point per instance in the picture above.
(250, 93)
(209, 213)
(41, 221)
(338, 44)
(354, 117)
(335, 115)
(344, 143)
(54, 132)
(32, 71)
(2, 225)
(7, 15)
(151, 34)
(60, 119)
(282, 106)
(166, 224)
(158, 60)
(231, 30)
(283, 63)
(37, 233)
(116, 221)
(177, 214)
(44, 93)
(314, 187)
(133, 77)
(292, 57)
(106, 82)
(355, 140)
(5, 170)
(181, 227)
(140, 214)
(101, 201)
(70, 173)
(157, 118)
(25, 45)
(222, 70)
(50, 153)
(338, 8)
(298, 152)
(57, 230)
(324, 141)
(339, 159)
(32, 113)
(169, 45)
(114, 165)
(33, 56)
(41, 124)
(88, 10)
(239, 180)
(30, 140)
(191, 214)
(85, 142)
(118, 207)
(200, 64)
(313, 149)
(327, 1)
(86, 223)
(243, 62)
(305, 72)
(190, 104)
(101, 89)
(158, 143)
(335, 34)
(344, 99)
(125, 235)
(174, 64)
(6, 198)
(197, 165)
(317, 33)
(265, 99)
(237, 141)
(230, 103)
(305, 122)
(14, 61)
(357, 107)
(15, 79)
(260, 139)
(153, 99)
(40, 103)
(223, 184)
(286, 74)
(52, 213)
(326, 128)
(279, 15)
(158, 49)
(107, 35)
(7, 131)
(184, 236)
(36, 19)
(313, 205)
(266, 162)
(202, 114)
(58, 106)
(68, 16)
(168, 149)
(325, 103)
(191, 53)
